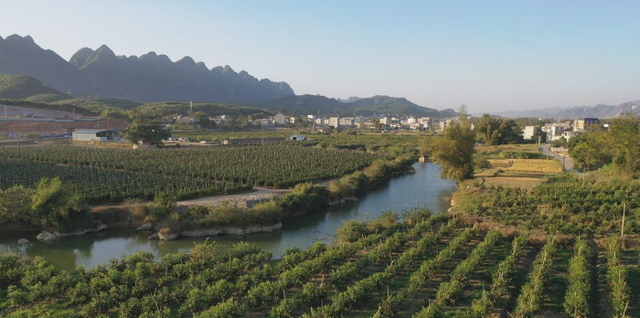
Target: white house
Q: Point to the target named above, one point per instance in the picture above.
(334, 122)
(556, 131)
(346, 122)
(528, 132)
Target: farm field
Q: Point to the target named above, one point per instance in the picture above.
(113, 174)
(523, 173)
(494, 151)
(423, 266)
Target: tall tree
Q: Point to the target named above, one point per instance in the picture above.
(488, 130)
(591, 150)
(625, 135)
(149, 132)
(496, 131)
(454, 152)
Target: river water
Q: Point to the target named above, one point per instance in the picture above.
(422, 189)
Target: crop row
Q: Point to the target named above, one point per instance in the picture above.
(99, 185)
(279, 164)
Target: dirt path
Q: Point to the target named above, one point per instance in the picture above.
(567, 162)
(258, 194)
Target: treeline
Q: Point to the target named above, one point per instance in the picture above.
(618, 146)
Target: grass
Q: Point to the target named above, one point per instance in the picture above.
(494, 151)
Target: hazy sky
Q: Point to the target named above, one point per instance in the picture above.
(490, 55)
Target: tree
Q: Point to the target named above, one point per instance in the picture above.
(625, 144)
(376, 124)
(539, 133)
(15, 204)
(55, 205)
(488, 130)
(509, 132)
(496, 131)
(149, 132)
(454, 152)
(203, 120)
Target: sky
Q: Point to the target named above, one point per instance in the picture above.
(489, 55)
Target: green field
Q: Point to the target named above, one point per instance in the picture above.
(107, 174)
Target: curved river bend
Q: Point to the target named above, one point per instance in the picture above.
(422, 189)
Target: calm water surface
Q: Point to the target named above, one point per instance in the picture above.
(423, 189)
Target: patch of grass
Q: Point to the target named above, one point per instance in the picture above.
(494, 151)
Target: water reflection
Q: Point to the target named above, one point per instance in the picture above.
(424, 188)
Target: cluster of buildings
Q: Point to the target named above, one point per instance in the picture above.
(562, 130)
(360, 122)
(337, 122)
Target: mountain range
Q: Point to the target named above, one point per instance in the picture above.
(597, 111)
(148, 78)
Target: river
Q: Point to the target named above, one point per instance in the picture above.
(422, 189)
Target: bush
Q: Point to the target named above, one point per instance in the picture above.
(521, 155)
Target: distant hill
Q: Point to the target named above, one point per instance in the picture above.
(317, 104)
(597, 111)
(381, 104)
(183, 108)
(23, 86)
(304, 104)
(148, 78)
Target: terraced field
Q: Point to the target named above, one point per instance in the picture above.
(425, 266)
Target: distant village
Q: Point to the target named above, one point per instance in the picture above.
(557, 131)
(562, 130)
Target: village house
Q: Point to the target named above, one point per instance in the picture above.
(280, 119)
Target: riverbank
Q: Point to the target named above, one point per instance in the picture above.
(262, 215)
(423, 189)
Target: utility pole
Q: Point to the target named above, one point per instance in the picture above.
(624, 214)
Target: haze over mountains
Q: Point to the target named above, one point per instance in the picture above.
(597, 111)
(150, 77)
